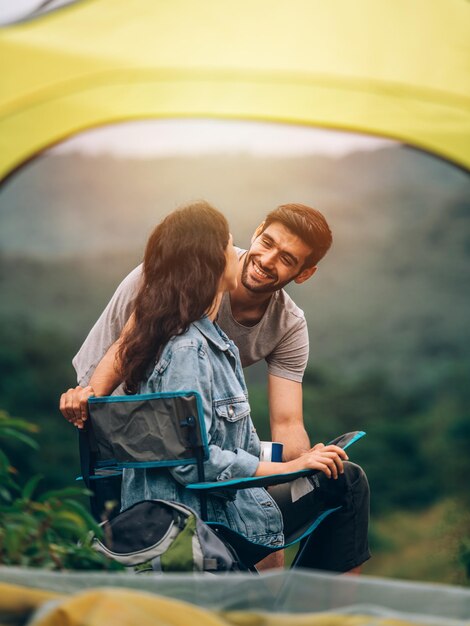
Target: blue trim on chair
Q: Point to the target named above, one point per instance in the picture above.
(142, 396)
(359, 435)
(314, 525)
(148, 464)
(254, 480)
(99, 476)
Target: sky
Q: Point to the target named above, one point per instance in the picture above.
(148, 138)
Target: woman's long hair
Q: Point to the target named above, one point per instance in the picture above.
(183, 264)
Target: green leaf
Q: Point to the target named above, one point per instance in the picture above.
(19, 436)
(30, 487)
(86, 515)
(17, 424)
(11, 484)
(13, 541)
(68, 525)
(63, 493)
(5, 494)
(4, 462)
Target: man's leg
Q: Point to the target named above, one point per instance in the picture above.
(340, 543)
(273, 561)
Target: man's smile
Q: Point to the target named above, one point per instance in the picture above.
(259, 272)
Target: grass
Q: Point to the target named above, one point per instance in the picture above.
(417, 545)
(420, 545)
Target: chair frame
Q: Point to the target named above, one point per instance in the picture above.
(191, 431)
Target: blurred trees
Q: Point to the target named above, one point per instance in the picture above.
(35, 368)
(415, 452)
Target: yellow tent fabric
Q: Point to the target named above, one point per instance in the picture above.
(394, 68)
(124, 607)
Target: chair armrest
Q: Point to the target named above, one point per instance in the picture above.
(344, 441)
(251, 481)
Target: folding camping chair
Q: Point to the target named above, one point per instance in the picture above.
(165, 430)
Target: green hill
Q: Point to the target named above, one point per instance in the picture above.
(390, 294)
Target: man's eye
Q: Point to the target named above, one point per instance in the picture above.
(266, 243)
(287, 260)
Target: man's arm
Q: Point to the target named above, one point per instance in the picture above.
(74, 402)
(108, 327)
(95, 361)
(106, 377)
(286, 417)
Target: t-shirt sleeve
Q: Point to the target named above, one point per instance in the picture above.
(108, 327)
(289, 358)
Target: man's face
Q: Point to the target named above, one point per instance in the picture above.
(275, 258)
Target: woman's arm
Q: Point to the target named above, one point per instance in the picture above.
(327, 459)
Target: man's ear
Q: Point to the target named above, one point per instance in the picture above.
(305, 274)
(257, 232)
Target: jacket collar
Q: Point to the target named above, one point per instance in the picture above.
(212, 333)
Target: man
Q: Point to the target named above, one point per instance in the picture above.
(258, 315)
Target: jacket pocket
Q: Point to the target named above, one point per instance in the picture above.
(232, 410)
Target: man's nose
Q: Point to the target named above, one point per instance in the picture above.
(268, 259)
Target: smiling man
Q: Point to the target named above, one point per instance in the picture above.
(264, 321)
(259, 316)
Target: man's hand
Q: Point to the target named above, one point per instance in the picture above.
(74, 402)
(74, 405)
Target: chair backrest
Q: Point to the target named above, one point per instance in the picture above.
(149, 430)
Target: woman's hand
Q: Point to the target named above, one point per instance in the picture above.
(74, 405)
(327, 459)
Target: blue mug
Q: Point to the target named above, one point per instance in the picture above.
(271, 451)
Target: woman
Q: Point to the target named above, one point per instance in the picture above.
(174, 343)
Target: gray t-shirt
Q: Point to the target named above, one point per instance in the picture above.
(280, 337)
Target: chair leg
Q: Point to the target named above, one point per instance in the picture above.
(302, 549)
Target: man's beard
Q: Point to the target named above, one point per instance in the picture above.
(254, 287)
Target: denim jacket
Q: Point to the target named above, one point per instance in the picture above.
(205, 360)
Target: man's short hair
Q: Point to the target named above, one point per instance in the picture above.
(308, 224)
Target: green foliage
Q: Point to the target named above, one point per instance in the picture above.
(464, 555)
(409, 433)
(431, 544)
(51, 529)
(415, 455)
(34, 370)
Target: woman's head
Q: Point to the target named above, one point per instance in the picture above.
(185, 256)
(184, 268)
